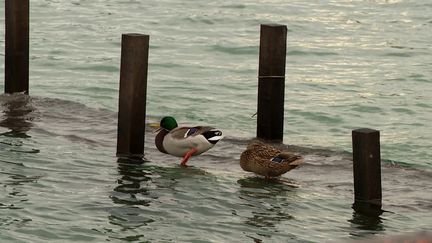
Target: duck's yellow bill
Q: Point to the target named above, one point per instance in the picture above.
(154, 125)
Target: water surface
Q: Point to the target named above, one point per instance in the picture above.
(350, 64)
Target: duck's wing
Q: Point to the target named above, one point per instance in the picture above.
(185, 132)
(179, 132)
(287, 157)
(282, 163)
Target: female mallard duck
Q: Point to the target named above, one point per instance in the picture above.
(185, 141)
(268, 161)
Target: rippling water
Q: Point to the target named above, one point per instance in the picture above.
(350, 64)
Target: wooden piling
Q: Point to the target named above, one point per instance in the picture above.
(271, 82)
(367, 170)
(16, 46)
(132, 97)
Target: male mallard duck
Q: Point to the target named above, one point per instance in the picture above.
(185, 141)
(268, 161)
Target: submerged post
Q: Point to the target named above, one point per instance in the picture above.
(367, 170)
(16, 46)
(133, 93)
(271, 82)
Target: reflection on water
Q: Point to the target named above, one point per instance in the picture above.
(13, 197)
(365, 225)
(136, 196)
(268, 201)
(132, 184)
(131, 196)
(16, 115)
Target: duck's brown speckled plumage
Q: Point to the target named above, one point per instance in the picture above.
(258, 157)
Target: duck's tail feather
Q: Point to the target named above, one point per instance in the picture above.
(213, 136)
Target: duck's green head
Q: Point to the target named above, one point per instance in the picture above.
(168, 123)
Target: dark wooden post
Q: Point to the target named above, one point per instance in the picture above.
(271, 82)
(17, 46)
(133, 93)
(367, 170)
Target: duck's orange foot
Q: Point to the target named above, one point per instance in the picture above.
(187, 156)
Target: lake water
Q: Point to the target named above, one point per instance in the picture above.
(350, 64)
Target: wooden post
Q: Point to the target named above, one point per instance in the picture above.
(17, 46)
(133, 93)
(271, 82)
(367, 170)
